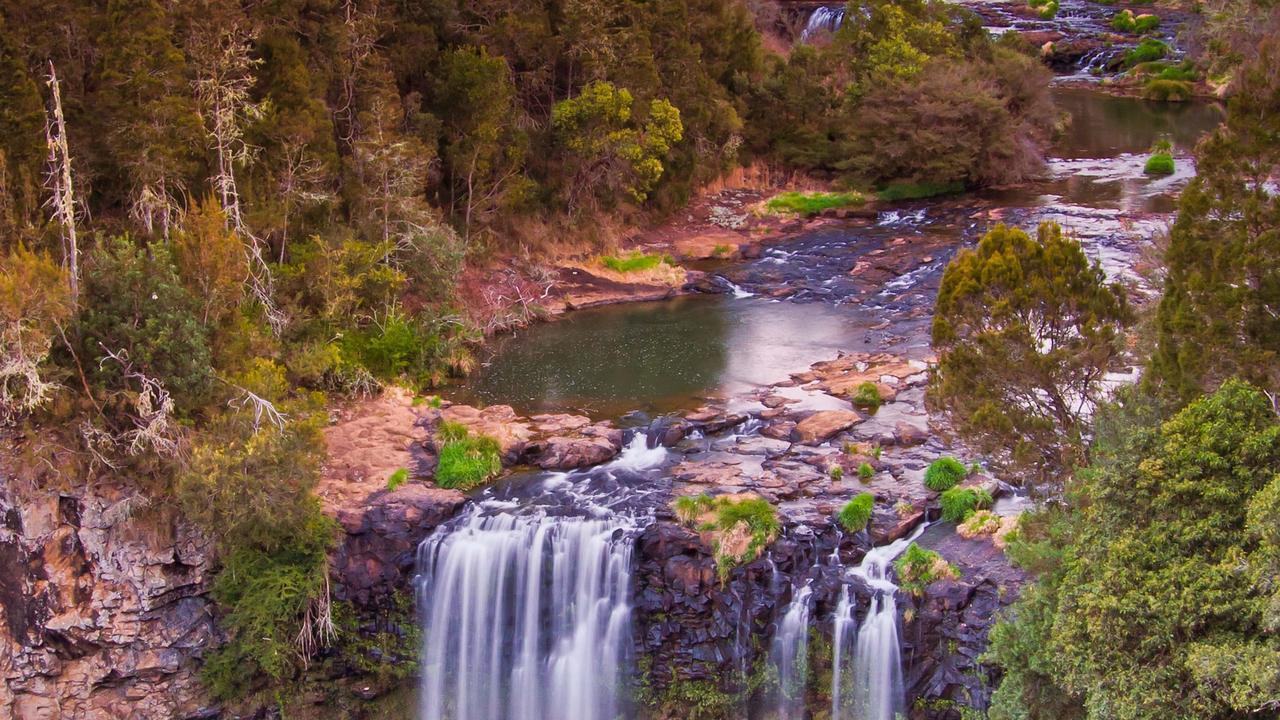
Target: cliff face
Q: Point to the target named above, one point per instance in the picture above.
(103, 612)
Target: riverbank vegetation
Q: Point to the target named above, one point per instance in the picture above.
(1155, 551)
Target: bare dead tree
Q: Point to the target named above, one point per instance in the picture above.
(61, 192)
(262, 408)
(152, 417)
(224, 77)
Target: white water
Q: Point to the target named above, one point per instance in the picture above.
(823, 19)
(869, 688)
(528, 616)
(790, 656)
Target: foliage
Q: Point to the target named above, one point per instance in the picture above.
(1163, 90)
(466, 461)
(865, 471)
(812, 203)
(1217, 317)
(742, 526)
(918, 568)
(1024, 329)
(980, 522)
(135, 305)
(959, 503)
(944, 474)
(1046, 9)
(635, 262)
(35, 302)
(1159, 164)
(856, 513)
(1173, 523)
(867, 395)
(1146, 51)
(1126, 21)
(397, 478)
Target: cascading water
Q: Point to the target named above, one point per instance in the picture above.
(790, 655)
(869, 687)
(525, 606)
(823, 19)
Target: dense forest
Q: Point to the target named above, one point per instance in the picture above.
(218, 218)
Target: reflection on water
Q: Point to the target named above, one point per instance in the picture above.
(657, 356)
(1103, 126)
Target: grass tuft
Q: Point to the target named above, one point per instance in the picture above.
(812, 203)
(856, 513)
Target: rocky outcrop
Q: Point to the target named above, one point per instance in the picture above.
(823, 425)
(103, 607)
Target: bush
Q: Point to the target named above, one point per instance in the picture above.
(867, 396)
(398, 478)
(1125, 21)
(918, 568)
(856, 513)
(1185, 72)
(981, 522)
(467, 462)
(634, 262)
(836, 472)
(865, 471)
(959, 503)
(1162, 90)
(811, 203)
(1159, 164)
(135, 305)
(1148, 50)
(1145, 23)
(743, 526)
(944, 474)
(689, 508)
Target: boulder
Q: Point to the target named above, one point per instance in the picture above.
(590, 447)
(823, 425)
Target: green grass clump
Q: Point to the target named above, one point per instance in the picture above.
(449, 431)
(944, 474)
(959, 503)
(865, 471)
(918, 568)
(837, 473)
(633, 262)
(1145, 23)
(1159, 164)
(1148, 50)
(856, 513)
(981, 522)
(397, 479)
(466, 461)
(916, 191)
(752, 518)
(811, 203)
(1186, 72)
(867, 396)
(721, 250)
(1126, 21)
(1167, 90)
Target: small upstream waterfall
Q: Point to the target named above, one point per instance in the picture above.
(525, 609)
(790, 655)
(823, 19)
(869, 687)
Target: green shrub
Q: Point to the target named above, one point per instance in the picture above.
(721, 251)
(1125, 21)
(811, 203)
(943, 474)
(1148, 50)
(1145, 23)
(757, 517)
(634, 262)
(867, 396)
(917, 191)
(689, 508)
(865, 471)
(959, 503)
(836, 472)
(856, 513)
(397, 479)
(918, 568)
(1186, 72)
(1159, 164)
(1167, 90)
(467, 462)
(981, 522)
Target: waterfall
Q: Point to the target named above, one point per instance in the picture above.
(525, 605)
(823, 19)
(790, 656)
(869, 688)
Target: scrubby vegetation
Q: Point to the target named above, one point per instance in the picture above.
(466, 461)
(741, 527)
(856, 513)
(944, 474)
(812, 203)
(1149, 50)
(918, 568)
(867, 396)
(1126, 21)
(980, 522)
(866, 471)
(959, 503)
(633, 262)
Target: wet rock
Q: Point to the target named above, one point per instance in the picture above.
(708, 245)
(823, 425)
(778, 430)
(591, 446)
(713, 420)
(375, 556)
(907, 434)
(750, 251)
